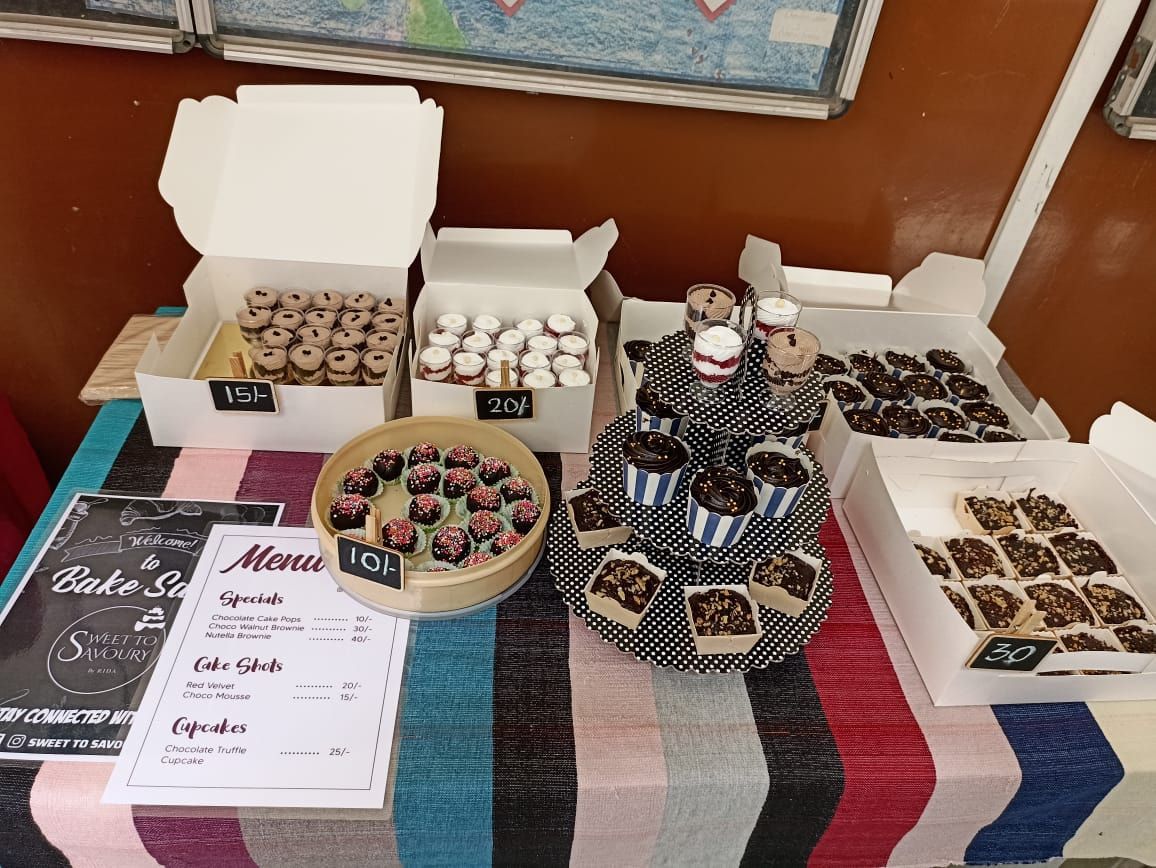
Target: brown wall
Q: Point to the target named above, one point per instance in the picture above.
(950, 103)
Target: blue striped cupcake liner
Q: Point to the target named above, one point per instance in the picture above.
(900, 372)
(650, 489)
(675, 426)
(712, 529)
(775, 501)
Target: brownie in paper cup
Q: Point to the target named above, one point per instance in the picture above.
(652, 467)
(772, 499)
(651, 413)
(720, 506)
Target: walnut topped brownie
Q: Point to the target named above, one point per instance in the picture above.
(1137, 638)
(987, 512)
(1082, 553)
(1060, 602)
(723, 620)
(1083, 640)
(594, 525)
(623, 587)
(1045, 514)
(785, 582)
(976, 557)
(1029, 554)
(936, 563)
(999, 603)
(966, 609)
(1114, 602)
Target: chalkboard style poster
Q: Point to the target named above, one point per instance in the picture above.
(80, 635)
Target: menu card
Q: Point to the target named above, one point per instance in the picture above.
(276, 689)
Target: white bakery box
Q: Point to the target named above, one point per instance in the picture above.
(934, 305)
(1109, 486)
(513, 274)
(299, 187)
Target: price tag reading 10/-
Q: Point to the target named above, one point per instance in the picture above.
(371, 562)
(1011, 653)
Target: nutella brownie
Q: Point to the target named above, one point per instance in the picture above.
(975, 558)
(1084, 641)
(1136, 638)
(999, 606)
(721, 612)
(1045, 514)
(991, 513)
(935, 562)
(1114, 605)
(960, 604)
(1060, 603)
(786, 571)
(627, 583)
(1083, 555)
(1030, 556)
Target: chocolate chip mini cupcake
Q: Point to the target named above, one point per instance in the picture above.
(865, 421)
(450, 544)
(361, 480)
(349, 511)
(426, 510)
(945, 362)
(779, 476)
(720, 506)
(905, 421)
(388, 465)
(651, 413)
(423, 479)
(924, 386)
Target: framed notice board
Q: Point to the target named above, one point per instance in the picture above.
(791, 57)
(164, 26)
(1131, 107)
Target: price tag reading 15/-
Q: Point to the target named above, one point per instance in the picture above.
(243, 396)
(1011, 653)
(503, 405)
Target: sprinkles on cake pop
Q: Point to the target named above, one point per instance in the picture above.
(388, 464)
(400, 534)
(485, 526)
(458, 482)
(493, 470)
(349, 511)
(484, 498)
(462, 456)
(524, 514)
(450, 544)
(361, 480)
(505, 541)
(424, 453)
(517, 488)
(423, 479)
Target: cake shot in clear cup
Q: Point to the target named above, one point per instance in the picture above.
(434, 364)
(387, 342)
(307, 363)
(565, 362)
(321, 316)
(360, 301)
(261, 296)
(494, 378)
(531, 328)
(789, 359)
(453, 322)
(574, 378)
(252, 321)
(356, 318)
(391, 304)
(487, 324)
(469, 369)
(559, 324)
(533, 361)
(314, 335)
(329, 299)
(287, 318)
(544, 344)
(445, 339)
(539, 380)
(270, 363)
(375, 366)
(717, 354)
(774, 309)
(348, 339)
(512, 340)
(276, 337)
(388, 322)
(574, 345)
(295, 299)
(494, 359)
(707, 302)
(343, 367)
(478, 342)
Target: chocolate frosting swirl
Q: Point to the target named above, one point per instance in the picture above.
(778, 469)
(651, 404)
(723, 490)
(655, 452)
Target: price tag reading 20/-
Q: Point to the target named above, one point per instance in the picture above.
(372, 563)
(1011, 653)
(503, 405)
(243, 396)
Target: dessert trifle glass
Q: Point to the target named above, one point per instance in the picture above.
(789, 360)
(774, 309)
(706, 302)
(716, 356)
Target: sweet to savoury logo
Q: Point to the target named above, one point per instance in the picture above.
(107, 649)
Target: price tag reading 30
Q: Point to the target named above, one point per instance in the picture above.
(503, 405)
(1011, 653)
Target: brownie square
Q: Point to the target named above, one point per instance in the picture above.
(1083, 555)
(935, 562)
(1046, 514)
(991, 513)
(1029, 555)
(1139, 639)
(1081, 640)
(1060, 603)
(960, 604)
(1114, 605)
(628, 583)
(975, 558)
(999, 606)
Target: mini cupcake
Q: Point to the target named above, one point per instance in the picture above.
(504, 541)
(484, 526)
(462, 456)
(356, 319)
(476, 559)
(423, 453)
(992, 434)
(389, 465)
(882, 388)
(450, 544)
(458, 482)
(943, 416)
(361, 480)
(261, 296)
(985, 414)
(517, 488)
(524, 514)
(720, 506)
(426, 510)
(925, 386)
(483, 498)
(423, 479)
(493, 470)
(829, 366)
(653, 465)
(295, 299)
(905, 421)
(864, 421)
(651, 413)
(402, 535)
(360, 301)
(780, 476)
(964, 388)
(349, 511)
(956, 437)
(636, 354)
(307, 363)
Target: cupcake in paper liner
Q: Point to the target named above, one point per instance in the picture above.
(883, 389)
(944, 361)
(423, 479)
(485, 526)
(457, 482)
(651, 413)
(780, 476)
(865, 362)
(994, 434)
(653, 465)
(846, 390)
(831, 365)
(901, 361)
(402, 535)
(906, 421)
(720, 506)
(482, 498)
(389, 465)
(426, 510)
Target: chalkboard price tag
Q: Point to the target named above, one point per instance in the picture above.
(243, 396)
(503, 405)
(373, 563)
(1011, 653)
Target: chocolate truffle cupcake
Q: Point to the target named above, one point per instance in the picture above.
(866, 363)
(388, 464)
(779, 475)
(653, 464)
(884, 387)
(965, 388)
(424, 453)
(524, 514)
(946, 361)
(505, 541)
(450, 544)
(866, 422)
(361, 480)
(484, 498)
(722, 500)
(517, 488)
(423, 479)
(425, 510)
(462, 456)
(493, 470)
(924, 386)
(907, 363)
(829, 366)
(484, 525)
(985, 413)
(458, 482)
(402, 535)
(349, 511)
(906, 421)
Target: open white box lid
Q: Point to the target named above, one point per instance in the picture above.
(1125, 437)
(306, 173)
(516, 257)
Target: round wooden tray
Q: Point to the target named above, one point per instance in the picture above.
(431, 592)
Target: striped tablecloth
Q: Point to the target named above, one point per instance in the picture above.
(525, 739)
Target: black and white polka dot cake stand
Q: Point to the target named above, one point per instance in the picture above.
(664, 638)
(744, 404)
(664, 527)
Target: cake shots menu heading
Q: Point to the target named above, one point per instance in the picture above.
(275, 690)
